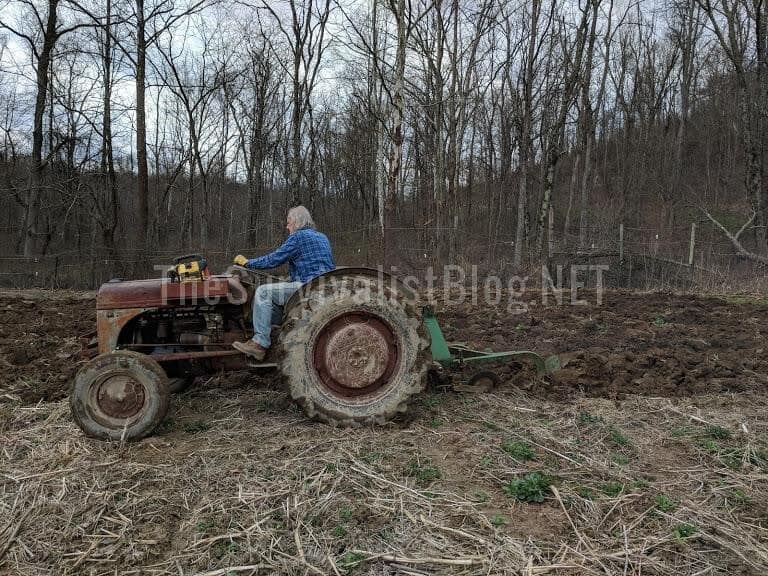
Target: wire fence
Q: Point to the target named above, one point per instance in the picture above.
(690, 256)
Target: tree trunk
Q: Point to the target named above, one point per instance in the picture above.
(36, 169)
(396, 150)
(107, 154)
(142, 183)
(521, 236)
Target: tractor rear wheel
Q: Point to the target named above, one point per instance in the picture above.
(120, 396)
(354, 351)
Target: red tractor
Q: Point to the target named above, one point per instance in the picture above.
(352, 347)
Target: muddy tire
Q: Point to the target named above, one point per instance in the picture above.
(354, 351)
(119, 395)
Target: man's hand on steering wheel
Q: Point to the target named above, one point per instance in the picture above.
(240, 260)
(240, 269)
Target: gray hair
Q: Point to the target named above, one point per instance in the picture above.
(301, 217)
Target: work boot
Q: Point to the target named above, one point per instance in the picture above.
(253, 349)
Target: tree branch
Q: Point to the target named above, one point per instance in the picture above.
(734, 238)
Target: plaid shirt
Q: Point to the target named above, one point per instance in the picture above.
(307, 252)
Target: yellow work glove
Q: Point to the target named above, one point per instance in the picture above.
(241, 260)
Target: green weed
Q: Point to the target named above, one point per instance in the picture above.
(531, 488)
(424, 472)
(521, 451)
(351, 558)
(618, 438)
(746, 298)
(431, 402)
(498, 520)
(739, 497)
(612, 488)
(665, 504)
(221, 549)
(587, 418)
(718, 432)
(733, 459)
(620, 459)
(711, 446)
(585, 492)
(640, 484)
(683, 431)
(682, 531)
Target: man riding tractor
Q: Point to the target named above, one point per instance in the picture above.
(308, 253)
(355, 343)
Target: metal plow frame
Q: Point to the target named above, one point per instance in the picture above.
(454, 355)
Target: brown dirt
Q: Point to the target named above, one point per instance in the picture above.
(41, 336)
(653, 344)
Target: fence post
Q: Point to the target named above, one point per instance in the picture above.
(621, 243)
(692, 244)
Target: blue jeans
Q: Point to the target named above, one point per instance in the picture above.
(269, 297)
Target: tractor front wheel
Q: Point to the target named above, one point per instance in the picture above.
(120, 396)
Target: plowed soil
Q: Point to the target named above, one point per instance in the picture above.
(41, 337)
(653, 344)
(632, 343)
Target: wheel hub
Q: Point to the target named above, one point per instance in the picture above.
(355, 354)
(119, 396)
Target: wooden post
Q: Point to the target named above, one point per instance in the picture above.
(621, 243)
(692, 244)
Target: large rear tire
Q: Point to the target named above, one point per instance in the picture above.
(120, 396)
(354, 351)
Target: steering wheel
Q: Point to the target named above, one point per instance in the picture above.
(250, 276)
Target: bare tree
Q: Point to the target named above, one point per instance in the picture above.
(253, 98)
(740, 28)
(41, 38)
(151, 24)
(306, 38)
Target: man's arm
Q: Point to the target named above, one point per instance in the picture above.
(276, 258)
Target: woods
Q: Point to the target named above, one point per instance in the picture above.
(419, 132)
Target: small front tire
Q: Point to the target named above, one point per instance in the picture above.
(120, 396)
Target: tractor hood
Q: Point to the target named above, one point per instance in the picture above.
(161, 293)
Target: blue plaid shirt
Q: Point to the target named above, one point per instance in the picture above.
(307, 252)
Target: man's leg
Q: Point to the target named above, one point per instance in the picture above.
(266, 298)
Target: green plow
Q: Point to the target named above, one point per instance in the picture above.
(457, 355)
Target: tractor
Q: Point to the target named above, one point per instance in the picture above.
(354, 346)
